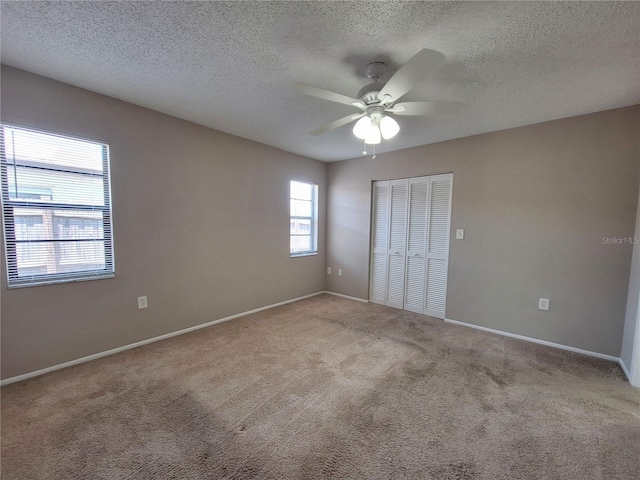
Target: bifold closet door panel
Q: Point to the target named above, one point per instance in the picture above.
(416, 244)
(379, 242)
(397, 242)
(439, 225)
(410, 226)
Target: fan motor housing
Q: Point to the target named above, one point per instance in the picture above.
(369, 93)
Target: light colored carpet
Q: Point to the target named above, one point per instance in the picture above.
(322, 388)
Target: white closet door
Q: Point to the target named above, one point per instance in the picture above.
(416, 244)
(379, 242)
(397, 242)
(439, 221)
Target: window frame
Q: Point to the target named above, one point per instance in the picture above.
(313, 220)
(14, 280)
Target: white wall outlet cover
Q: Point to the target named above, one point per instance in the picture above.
(142, 302)
(328, 270)
(459, 234)
(339, 272)
(543, 304)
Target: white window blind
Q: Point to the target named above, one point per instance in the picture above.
(303, 234)
(56, 207)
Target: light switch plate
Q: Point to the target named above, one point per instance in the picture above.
(339, 272)
(328, 270)
(459, 234)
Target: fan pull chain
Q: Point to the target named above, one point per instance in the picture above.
(364, 150)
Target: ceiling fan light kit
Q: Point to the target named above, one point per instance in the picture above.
(378, 100)
(389, 127)
(373, 134)
(375, 126)
(371, 129)
(361, 128)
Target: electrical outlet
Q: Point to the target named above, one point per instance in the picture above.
(142, 302)
(543, 304)
(328, 270)
(339, 272)
(459, 234)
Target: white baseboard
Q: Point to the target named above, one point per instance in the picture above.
(347, 296)
(624, 369)
(106, 353)
(536, 340)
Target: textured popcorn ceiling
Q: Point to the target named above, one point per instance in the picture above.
(231, 65)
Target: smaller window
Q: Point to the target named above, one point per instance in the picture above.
(304, 219)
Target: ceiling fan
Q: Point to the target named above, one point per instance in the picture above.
(377, 100)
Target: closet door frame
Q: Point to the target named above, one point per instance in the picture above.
(406, 253)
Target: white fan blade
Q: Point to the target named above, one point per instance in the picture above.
(426, 108)
(337, 123)
(411, 73)
(326, 94)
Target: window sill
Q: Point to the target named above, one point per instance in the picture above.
(56, 281)
(303, 254)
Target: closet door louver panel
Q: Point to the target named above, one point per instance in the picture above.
(438, 244)
(414, 295)
(378, 289)
(416, 244)
(397, 243)
(380, 216)
(398, 228)
(395, 287)
(379, 242)
(436, 287)
(439, 215)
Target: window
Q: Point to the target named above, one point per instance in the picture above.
(56, 207)
(304, 219)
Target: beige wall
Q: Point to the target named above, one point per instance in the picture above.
(201, 227)
(200, 221)
(535, 203)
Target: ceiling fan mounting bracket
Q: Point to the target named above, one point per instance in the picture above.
(375, 70)
(369, 93)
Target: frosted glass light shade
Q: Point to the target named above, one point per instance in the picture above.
(373, 135)
(389, 127)
(361, 128)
